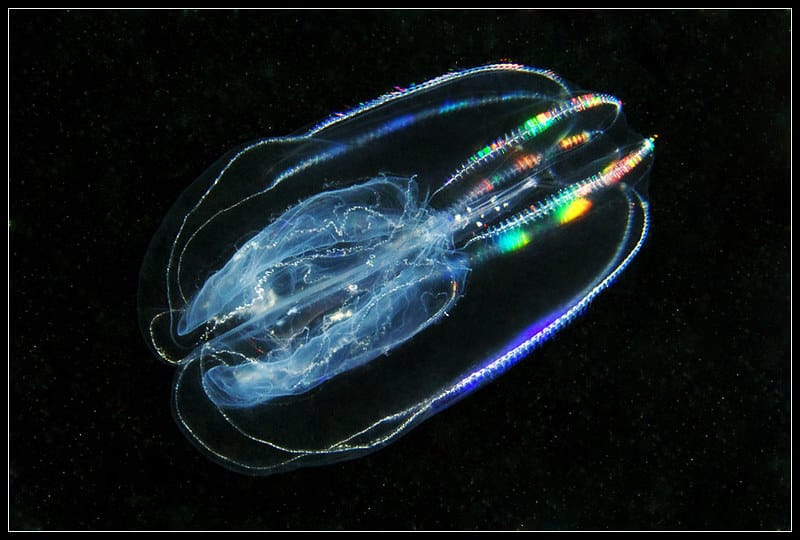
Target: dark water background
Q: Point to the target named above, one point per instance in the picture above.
(665, 407)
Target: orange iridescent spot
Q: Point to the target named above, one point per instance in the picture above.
(574, 140)
(574, 210)
(526, 162)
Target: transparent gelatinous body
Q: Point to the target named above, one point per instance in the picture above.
(321, 294)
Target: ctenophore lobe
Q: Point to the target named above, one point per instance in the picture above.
(323, 293)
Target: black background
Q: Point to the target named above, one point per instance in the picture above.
(665, 407)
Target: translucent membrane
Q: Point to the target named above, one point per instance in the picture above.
(321, 294)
